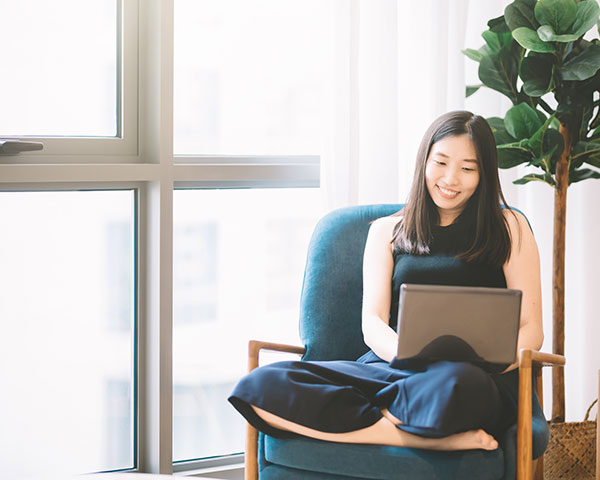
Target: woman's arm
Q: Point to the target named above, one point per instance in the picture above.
(522, 272)
(378, 265)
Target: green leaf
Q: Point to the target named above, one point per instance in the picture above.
(511, 155)
(547, 145)
(528, 38)
(498, 25)
(587, 16)
(584, 147)
(522, 121)
(536, 72)
(471, 89)
(473, 54)
(547, 34)
(536, 142)
(544, 162)
(559, 14)
(538, 87)
(541, 177)
(496, 40)
(593, 160)
(588, 152)
(553, 139)
(499, 72)
(582, 174)
(541, 115)
(499, 131)
(583, 66)
(520, 14)
(586, 113)
(496, 122)
(485, 50)
(567, 50)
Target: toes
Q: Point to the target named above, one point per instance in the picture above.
(487, 441)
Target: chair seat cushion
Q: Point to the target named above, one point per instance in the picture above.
(361, 461)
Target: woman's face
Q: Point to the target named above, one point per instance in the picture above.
(452, 175)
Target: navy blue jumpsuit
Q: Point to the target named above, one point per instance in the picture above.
(438, 400)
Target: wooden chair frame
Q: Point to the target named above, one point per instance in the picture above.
(528, 360)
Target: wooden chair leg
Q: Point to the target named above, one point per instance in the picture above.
(538, 472)
(528, 359)
(538, 467)
(251, 456)
(524, 428)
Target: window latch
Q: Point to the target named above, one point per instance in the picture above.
(10, 147)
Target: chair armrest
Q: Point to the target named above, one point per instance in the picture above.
(529, 358)
(255, 346)
(541, 359)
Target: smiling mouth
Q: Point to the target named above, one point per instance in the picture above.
(446, 193)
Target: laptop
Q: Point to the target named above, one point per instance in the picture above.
(471, 324)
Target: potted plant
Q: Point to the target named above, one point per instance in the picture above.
(554, 124)
(536, 55)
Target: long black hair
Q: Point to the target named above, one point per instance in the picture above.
(491, 237)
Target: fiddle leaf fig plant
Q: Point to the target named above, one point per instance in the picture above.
(536, 55)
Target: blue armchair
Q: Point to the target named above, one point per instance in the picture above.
(330, 328)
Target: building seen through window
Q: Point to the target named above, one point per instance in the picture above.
(239, 263)
(66, 331)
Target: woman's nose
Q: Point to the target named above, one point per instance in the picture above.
(451, 176)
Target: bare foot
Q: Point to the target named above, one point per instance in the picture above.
(473, 439)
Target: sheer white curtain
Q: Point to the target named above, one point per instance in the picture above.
(397, 66)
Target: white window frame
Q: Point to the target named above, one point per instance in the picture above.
(144, 160)
(124, 146)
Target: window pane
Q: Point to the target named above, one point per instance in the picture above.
(66, 331)
(251, 77)
(238, 263)
(58, 74)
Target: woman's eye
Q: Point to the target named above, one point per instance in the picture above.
(439, 162)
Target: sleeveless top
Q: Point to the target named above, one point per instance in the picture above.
(441, 267)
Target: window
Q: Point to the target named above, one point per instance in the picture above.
(54, 88)
(239, 261)
(77, 78)
(123, 195)
(251, 92)
(67, 331)
(248, 78)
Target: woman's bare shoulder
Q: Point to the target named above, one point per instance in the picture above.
(519, 228)
(515, 219)
(384, 227)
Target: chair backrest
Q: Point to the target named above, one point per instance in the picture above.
(331, 301)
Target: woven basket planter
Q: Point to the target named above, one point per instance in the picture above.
(571, 452)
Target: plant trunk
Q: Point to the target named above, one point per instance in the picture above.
(558, 275)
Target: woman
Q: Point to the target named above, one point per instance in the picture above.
(452, 231)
